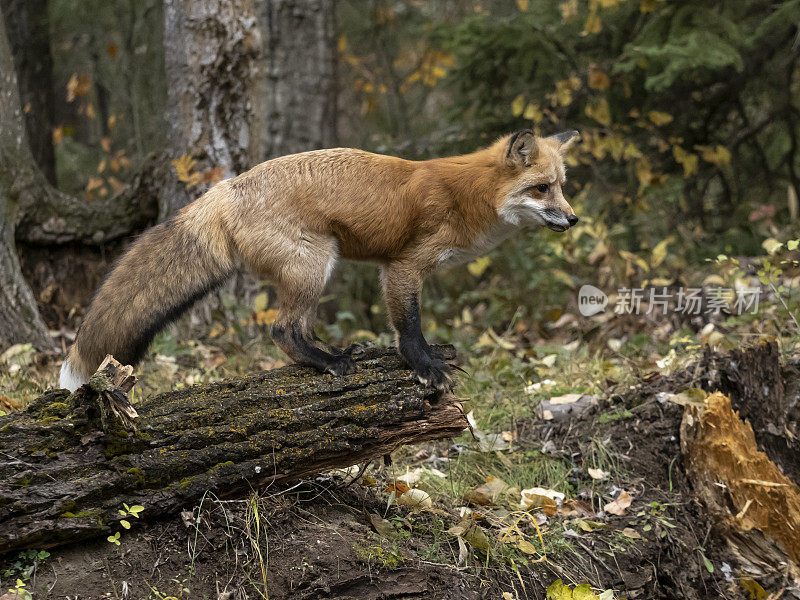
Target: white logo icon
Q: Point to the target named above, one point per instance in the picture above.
(591, 300)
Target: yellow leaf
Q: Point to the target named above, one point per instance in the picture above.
(599, 111)
(564, 89)
(568, 9)
(558, 590)
(518, 105)
(260, 302)
(183, 169)
(106, 143)
(563, 277)
(266, 317)
(94, 183)
(593, 24)
(533, 113)
(598, 80)
(479, 265)
(631, 257)
(526, 547)
(523, 4)
(342, 43)
(78, 85)
(660, 252)
(771, 245)
(687, 159)
(583, 592)
(754, 588)
(117, 184)
(58, 135)
(659, 118)
(648, 6)
(718, 155)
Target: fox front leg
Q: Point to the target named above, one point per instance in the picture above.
(401, 290)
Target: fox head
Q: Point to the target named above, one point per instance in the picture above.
(534, 166)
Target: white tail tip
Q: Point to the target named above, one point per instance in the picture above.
(69, 379)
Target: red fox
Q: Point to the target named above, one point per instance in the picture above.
(291, 218)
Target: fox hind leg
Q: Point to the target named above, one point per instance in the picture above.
(299, 287)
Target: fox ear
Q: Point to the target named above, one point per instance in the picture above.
(565, 139)
(522, 148)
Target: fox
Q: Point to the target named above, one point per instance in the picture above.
(291, 219)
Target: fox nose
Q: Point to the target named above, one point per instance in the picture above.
(572, 219)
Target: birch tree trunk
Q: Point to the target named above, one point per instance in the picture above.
(210, 49)
(249, 80)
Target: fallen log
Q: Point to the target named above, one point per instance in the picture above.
(67, 469)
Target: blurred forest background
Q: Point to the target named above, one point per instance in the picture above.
(115, 114)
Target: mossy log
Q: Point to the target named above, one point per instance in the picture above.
(63, 478)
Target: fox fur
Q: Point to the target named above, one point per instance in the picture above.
(290, 219)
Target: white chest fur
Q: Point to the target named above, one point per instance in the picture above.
(498, 232)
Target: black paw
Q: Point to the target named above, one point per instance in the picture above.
(341, 365)
(435, 374)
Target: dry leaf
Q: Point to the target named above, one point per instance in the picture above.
(382, 526)
(78, 85)
(7, 403)
(541, 498)
(597, 474)
(398, 487)
(566, 399)
(487, 493)
(631, 533)
(618, 506)
(415, 499)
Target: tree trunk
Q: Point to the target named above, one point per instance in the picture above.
(33, 211)
(28, 31)
(210, 50)
(62, 479)
(20, 321)
(298, 76)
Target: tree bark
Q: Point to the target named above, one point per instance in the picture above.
(19, 317)
(62, 479)
(210, 49)
(298, 76)
(28, 30)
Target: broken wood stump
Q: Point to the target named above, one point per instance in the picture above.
(756, 506)
(66, 470)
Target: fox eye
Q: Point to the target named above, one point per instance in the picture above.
(542, 187)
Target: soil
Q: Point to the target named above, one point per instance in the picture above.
(315, 538)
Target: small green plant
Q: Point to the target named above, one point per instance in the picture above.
(20, 591)
(25, 564)
(125, 511)
(129, 511)
(559, 590)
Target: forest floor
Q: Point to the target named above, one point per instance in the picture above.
(572, 473)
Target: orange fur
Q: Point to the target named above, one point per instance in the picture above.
(291, 218)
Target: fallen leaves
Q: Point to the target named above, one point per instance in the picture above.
(619, 505)
(546, 500)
